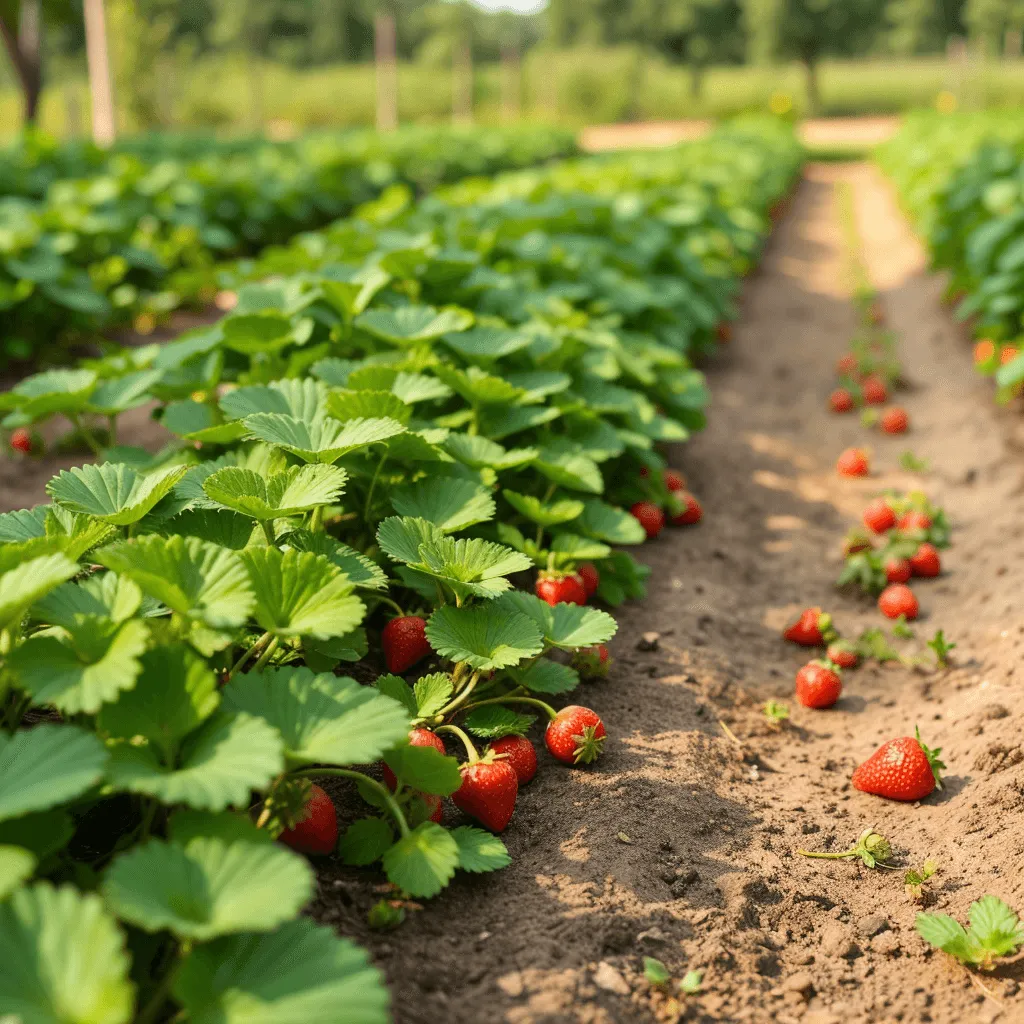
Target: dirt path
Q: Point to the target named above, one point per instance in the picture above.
(676, 846)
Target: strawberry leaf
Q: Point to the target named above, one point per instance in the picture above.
(408, 325)
(72, 963)
(480, 453)
(22, 583)
(292, 492)
(562, 464)
(566, 626)
(365, 842)
(113, 492)
(320, 440)
(360, 570)
(946, 934)
(103, 596)
(208, 887)
(478, 387)
(449, 504)
(424, 769)
(493, 721)
(186, 824)
(50, 392)
(299, 974)
(544, 514)
(323, 719)
(546, 676)
(304, 399)
(423, 862)
(487, 344)
(484, 637)
(351, 405)
(432, 693)
(16, 867)
(995, 927)
(479, 851)
(398, 689)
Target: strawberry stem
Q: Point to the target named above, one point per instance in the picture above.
(248, 654)
(471, 752)
(380, 790)
(460, 699)
(546, 708)
(316, 519)
(392, 604)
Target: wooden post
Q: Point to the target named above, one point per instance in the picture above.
(511, 84)
(384, 46)
(98, 57)
(30, 45)
(462, 82)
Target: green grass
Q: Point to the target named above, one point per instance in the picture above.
(578, 87)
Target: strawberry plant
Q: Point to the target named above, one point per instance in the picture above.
(871, 849)
(994, 931)
(401, 420)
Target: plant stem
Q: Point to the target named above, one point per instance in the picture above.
(147, 818)
(461, 698)
(546, 708)
(316, 520)
(471, 750)
(151, 1011)
(830, 856)
(373, 485)
(86, 433)
(382, 791)
(248, 654)
(268, 531)
(392, 604)
(265, 656)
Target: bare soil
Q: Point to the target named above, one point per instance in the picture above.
(680, 843)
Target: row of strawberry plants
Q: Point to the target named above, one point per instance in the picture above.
(961, 182)
(366, 456)
(98, 251)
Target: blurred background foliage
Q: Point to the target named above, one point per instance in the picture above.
(289, 65)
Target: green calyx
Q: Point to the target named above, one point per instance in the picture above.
(932, 753)
(872, 848)
(588, 746)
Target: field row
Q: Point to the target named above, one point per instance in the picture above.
(427, 408)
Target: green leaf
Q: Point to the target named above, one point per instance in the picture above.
(353, 405)
(610, 524)
(301, 594)
(176, 693)
(292, 492)
(484, 637)
(478, 387)
(51, 392)
(83, 670)
(303, 399)
(566, 626)
(113, 397)
(197, 421)
(544, 514)
(16, 867)
(112, 492)
(360, 570)
(398, 689)
(418, 387)
(479, 851)
(494, 721)
(561, 464)
(219, 765)
(546, 676)
(450, 504)
(46, 766)
(217, 526)
(255, 333)
(321, 440)
(480, 453)
(186, 824)
(424, 769)
(103, 596)
(322, 719)
(199, 581)
(408, 325)
(500, 421)
(423, 862)
(995, 926)
(432, 693)
(656, 972)
(299, 974)
(65, 958)
(207, 888)
(23, 524)
(690, 985)
(486, 344)
(569, 549)
(22, 585)
(365, 841)
(41, 834)
(946, 934)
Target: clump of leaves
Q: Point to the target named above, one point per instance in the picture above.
(871, 848)
(901, 629)
(994, 930)
(775, 713)
(915, 878)
(941, 646)
(658, 975)
(912, 464)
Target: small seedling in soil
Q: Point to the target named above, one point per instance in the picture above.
(691, 982)
(871, 848)
(915, 878)
(776, 713)
(656, 972)
(941, 646)
(993, 931)
(873, 643)
(912, 464)
(901, 629)
(386, 914)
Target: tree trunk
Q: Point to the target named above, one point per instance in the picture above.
(98, 57)
(511, 84)
(462, 82)
(30, 40)
(387, 78)
(813, 90)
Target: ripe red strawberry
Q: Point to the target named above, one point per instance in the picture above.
(649, 516)
(684, 509)
(879, 516)
(915, 520)
(404, 640)
(674, 480)
(874, 390)
(520, 753)
(575, 735)
(847, 366)
(843, 654)
(21, 441)
(1007, 354)
(898, 570)
(590, 576)
(417, 738)
(984, 351)
(902, 769)
(926, 561)
(853, 462)
(896, 600)
(560, 588)
(841, 400)
(818, 685)
(317, 833)
(809, 630)
(895, 420)
(488, 792)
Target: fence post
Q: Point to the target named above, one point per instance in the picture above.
(98, 57)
